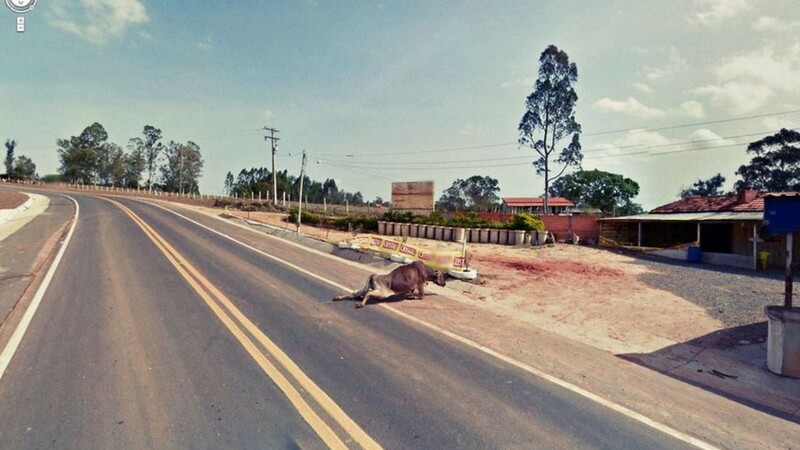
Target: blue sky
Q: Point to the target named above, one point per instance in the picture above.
(400, 84)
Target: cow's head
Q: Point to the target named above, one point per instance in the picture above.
(438, 277)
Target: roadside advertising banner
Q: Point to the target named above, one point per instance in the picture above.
(439, 259)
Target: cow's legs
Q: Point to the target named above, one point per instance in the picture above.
(421, 289)
(368, 296)
(355, 295)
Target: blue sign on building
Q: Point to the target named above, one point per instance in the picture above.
(782, 213)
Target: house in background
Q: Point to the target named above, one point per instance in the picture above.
(727, 228)
(535, 205)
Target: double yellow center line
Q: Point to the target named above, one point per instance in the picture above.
(259, 346)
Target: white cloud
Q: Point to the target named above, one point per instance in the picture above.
(776, 123)
(794, 50)
(641, 138)
(772, 24)
(693, 109)
(739, 97)
(630, 106)
(519, 82)
(712, 12)
(642, 87)
(97, 21)
(267, 114)
(675, 63)
(706, 138)
(764, 67)
(468, 130)
(747, 82)
(206, 44)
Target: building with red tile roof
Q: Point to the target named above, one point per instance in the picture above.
(728, 229)
(555, 205)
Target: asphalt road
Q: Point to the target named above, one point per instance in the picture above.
(135, 346)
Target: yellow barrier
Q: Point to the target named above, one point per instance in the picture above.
(444, 260)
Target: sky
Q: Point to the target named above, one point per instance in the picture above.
(380, 91)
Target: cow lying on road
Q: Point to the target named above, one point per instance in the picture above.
(400, 281)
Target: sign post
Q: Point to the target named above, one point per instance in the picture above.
(782, 215)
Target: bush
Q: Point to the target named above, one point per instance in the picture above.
(526, 221)
(399, 217)
(306, 217)
(471, 220)
(362, 223)
(52, 178)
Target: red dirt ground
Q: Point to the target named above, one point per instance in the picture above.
(10, 200)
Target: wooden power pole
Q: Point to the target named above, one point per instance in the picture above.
(273, 140)
(300, 205)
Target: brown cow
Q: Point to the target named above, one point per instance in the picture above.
(400, 281)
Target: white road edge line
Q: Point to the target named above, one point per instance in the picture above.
(666, 429)
(22, 327)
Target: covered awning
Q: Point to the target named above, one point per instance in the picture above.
(725, 216)
(755, 218)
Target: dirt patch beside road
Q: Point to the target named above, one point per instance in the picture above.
(11, 199)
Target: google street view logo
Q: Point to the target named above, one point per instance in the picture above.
(20, 6)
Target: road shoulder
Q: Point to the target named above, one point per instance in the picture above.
(28, 244)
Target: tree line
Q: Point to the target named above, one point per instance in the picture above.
(89, 158)
(257, 182)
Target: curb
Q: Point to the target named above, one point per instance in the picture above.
(316, 244)
(7, 215)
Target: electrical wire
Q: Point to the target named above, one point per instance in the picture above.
(599, 133)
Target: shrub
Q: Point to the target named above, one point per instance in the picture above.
(400, 217)
(362, 223)
(306, 217)
(526, 221)
(471, 220)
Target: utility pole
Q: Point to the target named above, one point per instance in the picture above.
(274, 142)
(300, 204)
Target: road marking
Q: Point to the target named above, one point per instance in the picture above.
(213, 298)
(627, 412)
(22, 327)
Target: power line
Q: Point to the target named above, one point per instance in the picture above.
(442, 150)
(481, 166)
(599, 133)
(694, 124)
(368, 164)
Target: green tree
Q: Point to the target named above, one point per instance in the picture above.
(611, 193)
(776, 164)
(10, 145)
(229, 183)
(80, 156)
(24, 168)
(550, 117)
(476, 193)
(135, 163)
(183, 168)
(111, 168)
(152, 148)
(705, 188)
